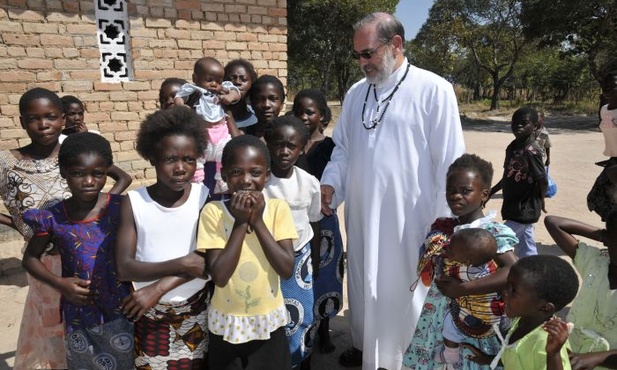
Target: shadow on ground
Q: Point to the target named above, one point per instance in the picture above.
(555, 125)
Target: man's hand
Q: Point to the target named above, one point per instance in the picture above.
(326, 199)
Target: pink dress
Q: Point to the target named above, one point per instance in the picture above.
(26, 184)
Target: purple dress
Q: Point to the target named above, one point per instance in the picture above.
(87, 252)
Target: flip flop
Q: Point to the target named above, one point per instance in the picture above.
(351, 357)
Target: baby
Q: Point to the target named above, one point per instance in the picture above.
(469, 256)
(209, 94)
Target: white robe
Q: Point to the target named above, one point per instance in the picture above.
(392, 180)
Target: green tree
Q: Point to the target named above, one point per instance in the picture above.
(578, 27)
(485, 31)
(320, 42)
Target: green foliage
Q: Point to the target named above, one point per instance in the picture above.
(483, 36)
(580, 27)
(320, 42)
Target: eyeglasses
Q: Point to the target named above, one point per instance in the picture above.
(367, 54)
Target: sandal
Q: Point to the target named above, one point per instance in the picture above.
(351, 357)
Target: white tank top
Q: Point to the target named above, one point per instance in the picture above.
(167, 233)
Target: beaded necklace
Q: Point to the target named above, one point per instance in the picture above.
(376, 121)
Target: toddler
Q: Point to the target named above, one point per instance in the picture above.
(470, 255)
(214, 94)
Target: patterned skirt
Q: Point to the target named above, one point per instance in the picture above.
(41, 334)
(328, 284)
(174, 336)
(298, 294)
(108, 346)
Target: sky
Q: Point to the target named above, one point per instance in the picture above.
(412, 13)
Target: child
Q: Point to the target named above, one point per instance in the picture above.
(169, 89)
(469, 256)
(602, 197)
(156, 240)
(83, 228)
(242, 74)
(30, 178)
(468, 184)
(593, 312)
(74, 113)
(208, 76)
(286, 137)
(524, 182)
(540, 134)
(311, 107)
(267, 100)
(538, 286)
(248, 244)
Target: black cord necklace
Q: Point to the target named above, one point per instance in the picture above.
(375, 122)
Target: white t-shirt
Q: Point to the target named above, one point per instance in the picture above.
(608, 126)
(302, 192)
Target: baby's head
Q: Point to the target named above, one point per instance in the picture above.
(523, 123)
(472, 246)
(208, 73)
(168, 91)
(539, 286)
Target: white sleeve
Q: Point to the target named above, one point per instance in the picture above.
(446, 141)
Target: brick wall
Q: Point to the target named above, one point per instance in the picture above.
(52, 44)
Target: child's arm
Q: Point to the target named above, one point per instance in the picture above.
(129, 269)
(478, 356)
(316, 247)
(72, 288)
(280, 254)
(584, 361)
(557, 330)
(7, 220)
(548, 156)
(496, 282)
(498, 186)
(223, 262)
(122, 179)
(563, 230)
(136, 304)
(542, 186)
(229, 93)
(231, 123)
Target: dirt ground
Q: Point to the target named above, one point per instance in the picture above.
(577, 145)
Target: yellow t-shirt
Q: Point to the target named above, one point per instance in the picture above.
(254, 289)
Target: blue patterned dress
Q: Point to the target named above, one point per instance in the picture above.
(427, 339)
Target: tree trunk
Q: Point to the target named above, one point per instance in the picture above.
(496, 88)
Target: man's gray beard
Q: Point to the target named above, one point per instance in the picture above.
(386, 69)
